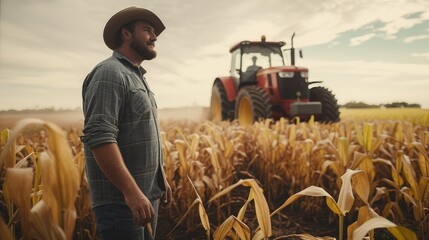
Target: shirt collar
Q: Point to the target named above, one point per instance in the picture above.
(120, 56)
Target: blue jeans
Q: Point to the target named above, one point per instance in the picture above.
(117, 222)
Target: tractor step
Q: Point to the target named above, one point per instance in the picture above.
(305, 108)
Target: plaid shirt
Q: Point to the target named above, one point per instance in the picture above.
(120, 108)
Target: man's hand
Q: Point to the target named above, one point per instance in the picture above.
(167, 197)
(140, 207)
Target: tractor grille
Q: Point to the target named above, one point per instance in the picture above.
(288, 87)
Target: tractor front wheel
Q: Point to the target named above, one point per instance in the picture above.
(220, 108)
(251, 105)
(330, 108)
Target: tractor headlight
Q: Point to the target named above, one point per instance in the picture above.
(304, 74)
(286, 74)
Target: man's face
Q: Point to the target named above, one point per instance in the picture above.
(143, 40)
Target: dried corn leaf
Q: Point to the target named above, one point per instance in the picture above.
(423, 165)
(196, 201)
(365, 213)
(368, 166)
(259, 235)
(242, 211)
(8, 155)
(195, 139)
(20, 178)
(424, 189)
(203, 215)
(400, 233)
(43, 225)
(261, 205)
(309, 237)
(4, 231)
(312, 191)
(361, 186)
(60, 177)
(213, 158)
(410, 176)
(346, 198)
(343, 150)
(241, 229)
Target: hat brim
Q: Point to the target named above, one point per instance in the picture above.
(126, 16)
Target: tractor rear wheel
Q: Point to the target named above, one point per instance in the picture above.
(252, 104)
(330, 108)
(220, 107)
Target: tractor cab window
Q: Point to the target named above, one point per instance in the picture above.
(252, 62)
(235, 65)
(261, 56)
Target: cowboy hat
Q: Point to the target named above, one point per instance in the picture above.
(128, 15)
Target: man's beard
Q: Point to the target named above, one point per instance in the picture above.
(142, 50)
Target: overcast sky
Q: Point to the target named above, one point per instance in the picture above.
(375, 51)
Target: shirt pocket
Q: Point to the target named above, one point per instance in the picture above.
(152, 100)
(140, 101)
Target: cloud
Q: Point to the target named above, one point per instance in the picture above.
(425, 55)
(361, 39)
(415, 38)
(392, 27)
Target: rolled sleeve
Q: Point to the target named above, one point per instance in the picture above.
(98, 131)
(103, 96)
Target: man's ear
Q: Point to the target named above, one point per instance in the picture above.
(125, 34)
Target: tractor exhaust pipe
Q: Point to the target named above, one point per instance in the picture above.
(292, 51)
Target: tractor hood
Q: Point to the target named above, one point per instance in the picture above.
(281, 69)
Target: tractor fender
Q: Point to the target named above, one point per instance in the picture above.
(230, 88)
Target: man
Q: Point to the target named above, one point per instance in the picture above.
(123, 149)
(254, 67)
(249, 76)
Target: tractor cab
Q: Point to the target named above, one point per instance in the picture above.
(249, 57)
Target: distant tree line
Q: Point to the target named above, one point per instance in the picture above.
(41, 110)
(354, 104)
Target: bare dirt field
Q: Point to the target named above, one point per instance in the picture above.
(66, 119)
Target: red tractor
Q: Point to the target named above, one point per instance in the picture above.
(262, 86)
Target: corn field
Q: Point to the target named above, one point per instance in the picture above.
(366, 177)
